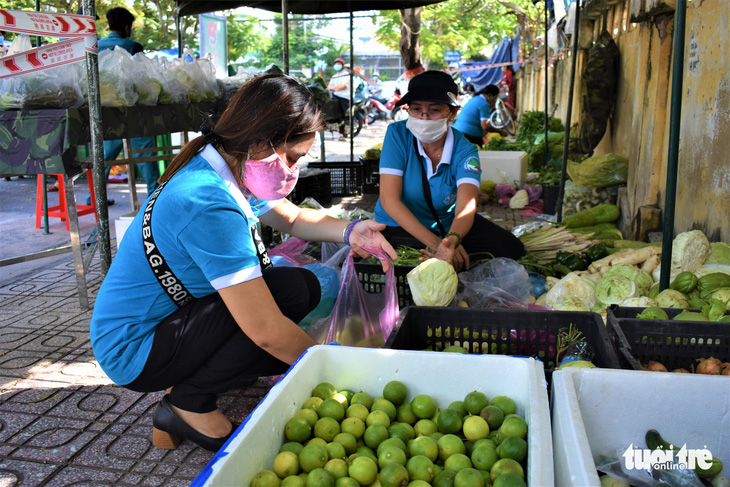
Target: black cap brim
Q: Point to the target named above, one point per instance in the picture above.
(428, 94)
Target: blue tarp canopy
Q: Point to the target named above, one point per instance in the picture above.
(507, 51)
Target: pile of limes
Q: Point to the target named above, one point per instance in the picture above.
(350, 439)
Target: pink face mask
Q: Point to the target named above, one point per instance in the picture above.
(271, 178)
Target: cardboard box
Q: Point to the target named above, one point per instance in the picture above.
(504, 166)
(445, 376)
(597, 412)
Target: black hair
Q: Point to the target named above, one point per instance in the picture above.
(119, 19)
(489, 90)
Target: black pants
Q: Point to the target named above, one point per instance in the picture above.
(479, 141)
(484, 236)
(201, 351)
(345, 104)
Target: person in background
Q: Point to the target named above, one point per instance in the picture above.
(509, 83)
(429, 181)
(473, 119)
(120, 26)
(191, 301)
(340, 86)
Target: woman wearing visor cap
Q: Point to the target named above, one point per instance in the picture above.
(429, 180)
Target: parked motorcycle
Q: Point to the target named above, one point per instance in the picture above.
(503, 116)
(334, 116)
(379, 109)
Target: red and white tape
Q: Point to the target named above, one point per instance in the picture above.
(47, 24)
(56, 54)
(80, 29)
(495, 65)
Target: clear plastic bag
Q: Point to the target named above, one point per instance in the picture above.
(57, 87)
(600, 170)
(498, 283)
(116, 78)
(359, 318)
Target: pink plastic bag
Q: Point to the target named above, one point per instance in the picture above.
(359, 318)
(292, 250)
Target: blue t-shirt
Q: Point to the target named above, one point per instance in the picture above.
(469, 119)
(113, 40)
(201, 224)
(459, 165)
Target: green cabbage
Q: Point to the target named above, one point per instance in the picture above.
(714, 310)
(653, 313)
(433, 283)
(571, 290)
(723, 295)
(719, 254)
(621, 282)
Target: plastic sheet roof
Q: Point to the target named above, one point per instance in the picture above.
(194, 7)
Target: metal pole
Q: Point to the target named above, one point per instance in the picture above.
(97, 151)
(285, 35)
(352, 88)
(38, 41)
(179, 32)
(547, 149)
(675, 119)
(566, 143)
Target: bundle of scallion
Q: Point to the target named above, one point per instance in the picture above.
(547, 241)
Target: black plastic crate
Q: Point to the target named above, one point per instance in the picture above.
(317, 186)
(501, 332)
(372, 278)
(346, 177)
(675, 344)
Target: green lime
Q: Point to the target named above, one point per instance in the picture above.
(323, 390)
(346, 482)
(475, 428)
(317, 441)
(286, 463)
(383, 404)
(475, 401)
(393, 475)
(512, 447)
(454, 349)
(309, 414)
(378, 417)
(457, 462)
(337, 467)
(335, 450)
(425, 427)
(331, 408)
(393, 441)
(420, 467)
(326, 428)
(362, 398)
(468, 477)
(312, 456)
(459, 406)
(402, 431)
(493, 416)
(312, 403)
(509, 480)
(513, 425)
(293, 481)
(348, 441)
(444, 479)
(506, 404)
(364, 450)
(506, 465)
(319, 477)
(391, 454)
(374, 435)
(357, 411)
(364, 470)
(423, 406)
(292, 446)
(450, 444)
(418, 483)
(404, 414)
(341, 398)
(396, 392)
(483, 457)
(449, 421)
(484, 442)
(424, 445)
(297, 429)
(348, 394)
(265, 478)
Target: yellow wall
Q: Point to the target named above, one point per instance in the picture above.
(639, 127)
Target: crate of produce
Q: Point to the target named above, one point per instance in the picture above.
(316, 185)
(346, 177)
(500, 331)
(372, 278)
(675, 344)
(597, 414)
(450, 377)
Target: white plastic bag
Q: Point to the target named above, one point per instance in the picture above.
(116, 87)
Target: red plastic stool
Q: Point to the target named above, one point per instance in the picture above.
(61, 209)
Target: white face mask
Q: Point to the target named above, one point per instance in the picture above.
(427, 130)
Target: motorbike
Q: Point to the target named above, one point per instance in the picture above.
(379, 109)
(334, 116)
(503, 116)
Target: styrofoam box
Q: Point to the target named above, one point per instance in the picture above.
(599, 411)
(446, 377)
(121, 224)
(504, 166)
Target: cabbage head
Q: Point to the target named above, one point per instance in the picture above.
(433, 283)
(621, 282)
(669, 298)
(719, 254)
(722, 294)
(571, 293)
(639, 302)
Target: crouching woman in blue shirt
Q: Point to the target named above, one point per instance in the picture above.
(191, 301)
(429, 181)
